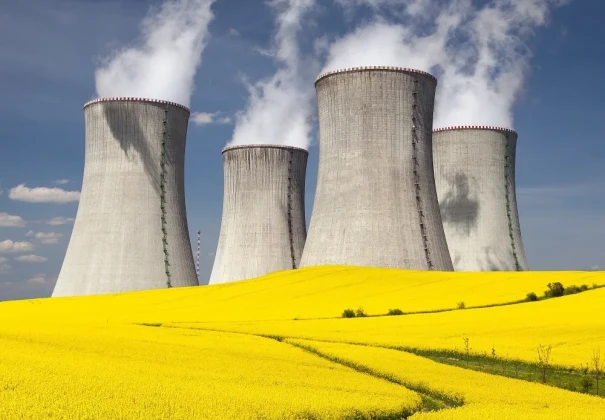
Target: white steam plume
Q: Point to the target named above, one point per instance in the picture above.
(280, 108)
(164, 64)
(479, 54)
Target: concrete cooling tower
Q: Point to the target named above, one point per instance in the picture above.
(131, 230)
(375, 203)
(263, 228)
(475, 178)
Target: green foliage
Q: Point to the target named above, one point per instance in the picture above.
(554, 290)
(467, 349)
(557, 289)
(572, 290)
(360, 312)
(348, 313)
(569, 378)
(586, 383)
(531, 297)
(395, 312)
(461, 305)
(544, 359)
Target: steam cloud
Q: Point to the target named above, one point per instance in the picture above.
(279, 109)
(479, 55)
(163, 66)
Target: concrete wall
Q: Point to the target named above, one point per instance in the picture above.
(474, 174)
(263, 227)
(375, 202)
(117, 243)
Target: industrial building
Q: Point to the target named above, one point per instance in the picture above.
(263, 226)
(475, 179)
(130, 231)
(376, 203)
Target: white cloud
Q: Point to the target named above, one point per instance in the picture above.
(42, 195)
(223, 120)
(233, 32)
(8, 246)
(478, 52)
(376, 4)
(31, 258)
(204, 118)
(9, 220)
(38, 279)
(62, 181)
(57, 221)
(280, 108)
(595, 268)
(164, 65)
(45, 237)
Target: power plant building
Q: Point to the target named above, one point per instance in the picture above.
(263, 226)
(376, 202)
(475, 178)
(130, 231)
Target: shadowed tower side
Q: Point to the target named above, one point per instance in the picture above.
(263, 227)
(375, 203)
(131, 229)
(475, 178)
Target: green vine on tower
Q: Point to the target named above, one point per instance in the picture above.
(163, 196)
(507, 195)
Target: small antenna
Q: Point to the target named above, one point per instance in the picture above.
(197, 260)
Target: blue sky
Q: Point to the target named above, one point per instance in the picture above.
(49, 50)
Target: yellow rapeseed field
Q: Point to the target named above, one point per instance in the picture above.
(573, 325)
(137, 372)
(90, 357)
(485, 396)
(314, 292)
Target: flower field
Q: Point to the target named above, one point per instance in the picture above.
(484, 396)
(574, 326)
(136, 372)
(314, 292)
(277, 348)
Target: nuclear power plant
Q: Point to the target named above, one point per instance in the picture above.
(475, 179)
(376, 203)
(390, 192)
(263, 227)
(130, 231)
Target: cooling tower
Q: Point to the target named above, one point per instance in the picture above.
(375, 202)
(130, 231)
(263, 227)
(475, 178)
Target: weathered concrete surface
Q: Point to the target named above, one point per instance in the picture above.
(117, 243)
(263, 227)
(375, 203)
(474, 174)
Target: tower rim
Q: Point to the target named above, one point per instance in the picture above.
(263, 146)
(135, 99)
(475, 127)
(365, 68)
